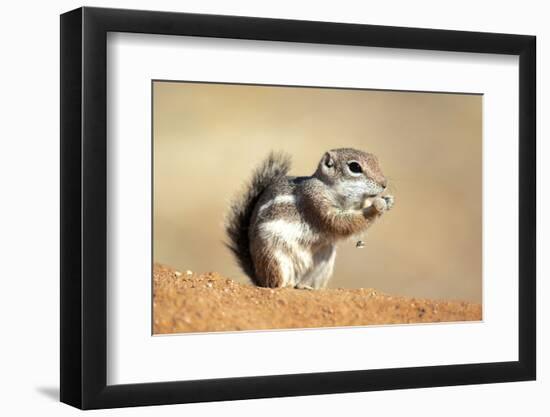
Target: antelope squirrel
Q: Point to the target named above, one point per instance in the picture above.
(283, 230)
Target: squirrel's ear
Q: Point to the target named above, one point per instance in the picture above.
(328, 160)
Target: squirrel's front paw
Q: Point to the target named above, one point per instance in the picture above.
(384, 203)
(390, 200)
(379, 203)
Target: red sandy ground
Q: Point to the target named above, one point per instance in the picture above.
(188, 302)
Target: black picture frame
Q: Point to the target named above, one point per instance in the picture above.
(84, 207)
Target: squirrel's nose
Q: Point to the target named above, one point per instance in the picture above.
(384, 183)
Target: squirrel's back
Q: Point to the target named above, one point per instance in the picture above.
(274, 167)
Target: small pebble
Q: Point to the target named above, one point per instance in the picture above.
(188, 272)
(360, 244)
(178, 273)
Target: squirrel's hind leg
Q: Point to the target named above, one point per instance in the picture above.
(275, 269)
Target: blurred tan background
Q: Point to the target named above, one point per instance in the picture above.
(208, 138)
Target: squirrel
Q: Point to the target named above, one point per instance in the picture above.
(283, 230)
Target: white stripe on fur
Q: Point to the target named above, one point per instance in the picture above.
(280, 199)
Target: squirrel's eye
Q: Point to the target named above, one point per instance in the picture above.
(355, 167)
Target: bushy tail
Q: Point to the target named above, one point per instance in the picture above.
(276, 165)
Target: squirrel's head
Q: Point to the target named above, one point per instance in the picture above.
(352, 175)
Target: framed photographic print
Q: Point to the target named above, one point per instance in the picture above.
(257, 207)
